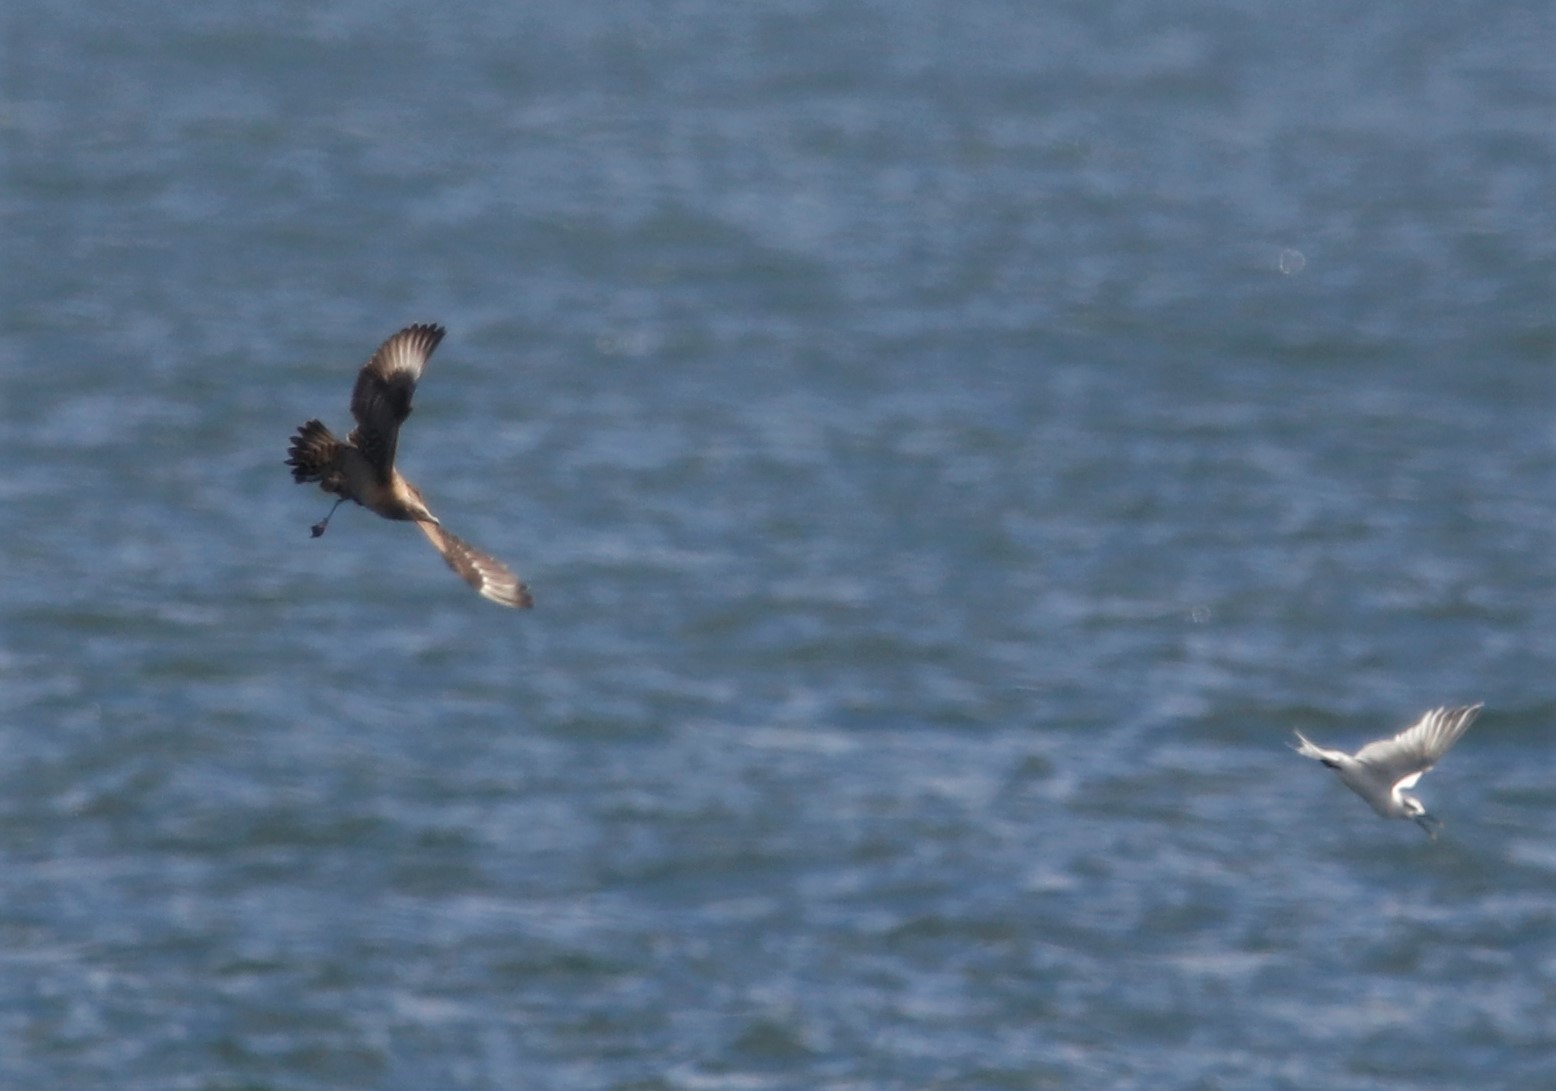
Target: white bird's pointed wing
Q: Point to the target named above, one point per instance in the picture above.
(1417, 748)
(381, 399)
(489, 576)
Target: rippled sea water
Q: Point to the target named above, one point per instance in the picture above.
(951, 448)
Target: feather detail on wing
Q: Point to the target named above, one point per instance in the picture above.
(489, 576)
(381, 399)
(1417, 748)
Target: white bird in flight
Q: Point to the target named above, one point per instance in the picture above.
(1382, 772)
(361, 467)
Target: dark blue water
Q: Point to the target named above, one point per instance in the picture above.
(951, 448)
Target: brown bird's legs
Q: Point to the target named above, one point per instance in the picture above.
(323, 524)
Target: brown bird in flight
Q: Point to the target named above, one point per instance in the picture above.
(362, 468)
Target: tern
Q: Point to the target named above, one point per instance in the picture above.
(361, 467)
(1383, 771)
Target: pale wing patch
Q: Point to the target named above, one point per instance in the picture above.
(406, 353)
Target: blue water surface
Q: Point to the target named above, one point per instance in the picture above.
(951, 448)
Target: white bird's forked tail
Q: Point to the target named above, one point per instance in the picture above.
(1307, 749)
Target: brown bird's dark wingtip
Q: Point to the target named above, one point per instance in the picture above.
(430, 334)
(518, 598)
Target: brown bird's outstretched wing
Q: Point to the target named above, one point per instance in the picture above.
(381, 400)
(493, 579)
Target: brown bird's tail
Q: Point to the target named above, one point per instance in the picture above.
(313, 453)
